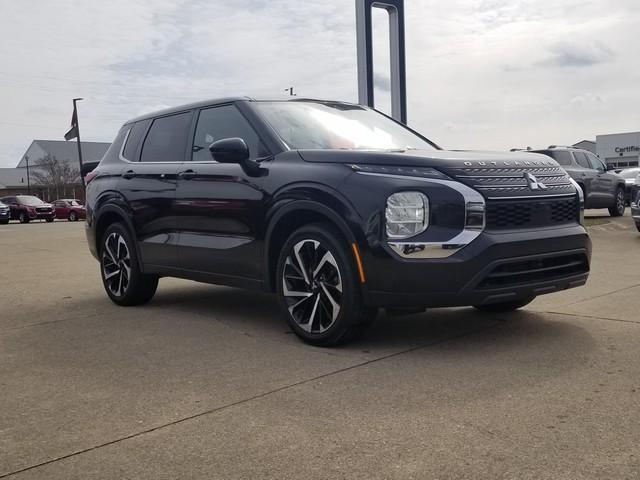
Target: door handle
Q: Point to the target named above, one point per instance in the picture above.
(187, 174)
(129, 174)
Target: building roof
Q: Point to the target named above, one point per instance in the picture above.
(64, 151)
(13, 178)
(584, 141)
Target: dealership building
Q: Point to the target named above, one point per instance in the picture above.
(621, 150)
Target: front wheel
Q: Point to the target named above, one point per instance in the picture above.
(319, 288)
(638, 226)
(23, 217)
(504, 306)
(73, 216)
(122, 278)
(49, 219)
(617, 209)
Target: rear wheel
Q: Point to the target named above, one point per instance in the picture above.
(73, 216)
(23, 217)
(49, 219)
(319, 289)
(617, 209)
(121, 276)
(504, 306)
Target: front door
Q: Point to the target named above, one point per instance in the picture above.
(219, 205)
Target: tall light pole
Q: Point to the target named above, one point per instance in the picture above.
(78, 139)
(26, 158)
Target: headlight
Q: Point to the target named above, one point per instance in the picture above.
(407, 214)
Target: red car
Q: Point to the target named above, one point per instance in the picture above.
(70, 208)
(27, 207)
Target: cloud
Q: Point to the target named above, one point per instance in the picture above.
(576, 54)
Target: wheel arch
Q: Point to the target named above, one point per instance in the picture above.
(289, 218)
(108, 215)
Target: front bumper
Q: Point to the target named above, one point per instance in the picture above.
(496, 267)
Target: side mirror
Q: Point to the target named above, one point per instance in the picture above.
(88, 167)
(229, 150)
(610, 167)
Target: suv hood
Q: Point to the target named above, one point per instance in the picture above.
(430, 158)
(496, 175)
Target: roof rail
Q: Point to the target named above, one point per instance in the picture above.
(563, 146)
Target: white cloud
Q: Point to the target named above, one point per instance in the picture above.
(489, 74)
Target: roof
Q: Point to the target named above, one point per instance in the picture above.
(584, 141)
(13, 177)
(65, 151)
(217, 101)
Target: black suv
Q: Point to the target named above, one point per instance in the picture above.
(335, 207)
(602, 187)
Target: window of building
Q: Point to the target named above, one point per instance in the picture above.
(222, 122)
(167, 139)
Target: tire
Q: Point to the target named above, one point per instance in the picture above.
(504, 306)
(73, 216)
(123, 281)
(4, 222)
(23, 218)
(638, 226)
(617, 209)
(319, 288)
(49, 220)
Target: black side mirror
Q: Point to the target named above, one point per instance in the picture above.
(610, 167)
(88, 167)
(229, 150)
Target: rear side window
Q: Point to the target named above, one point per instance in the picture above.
(582, 160)
(136, 133)
(222, 122)
(561, 156)
(167, 139)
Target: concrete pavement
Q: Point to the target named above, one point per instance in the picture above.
(207, 382)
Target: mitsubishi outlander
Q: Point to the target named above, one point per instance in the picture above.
(335, 207)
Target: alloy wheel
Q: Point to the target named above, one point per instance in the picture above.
(620, 203)
(312, 286)
(116, 264)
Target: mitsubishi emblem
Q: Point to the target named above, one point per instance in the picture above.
(533, 182)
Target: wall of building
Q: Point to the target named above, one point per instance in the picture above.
(619, 149)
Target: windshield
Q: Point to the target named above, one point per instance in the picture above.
(630, 173)
(29, 201)
(323, 125)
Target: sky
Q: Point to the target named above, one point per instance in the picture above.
(483, 74)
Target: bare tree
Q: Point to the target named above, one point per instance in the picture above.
(55, 174)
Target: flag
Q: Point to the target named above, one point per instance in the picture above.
(73, 132)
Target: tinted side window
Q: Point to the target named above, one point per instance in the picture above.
(561, 156)
(595, 162)
(167, 139)
(224, 122)
(136, 133)
(582, 160)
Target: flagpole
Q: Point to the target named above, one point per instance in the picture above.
(78, 141)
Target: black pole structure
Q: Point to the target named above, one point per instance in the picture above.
(26, 157)
(78, 140)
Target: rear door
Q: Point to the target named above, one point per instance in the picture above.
(154, 151)
(605, 183)
(588, 176)
(220, 204)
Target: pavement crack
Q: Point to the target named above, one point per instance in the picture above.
(252, 398)
(593, 317)
(603, 295)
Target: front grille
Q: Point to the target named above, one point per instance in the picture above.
(496, 182)
(535, 270)
(515, 214)
(43, 209)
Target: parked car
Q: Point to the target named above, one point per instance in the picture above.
(635, 201)
(629, 175)
(69, 208)
(5, 213)
(27, 207)
(336, 208)
(602, 188)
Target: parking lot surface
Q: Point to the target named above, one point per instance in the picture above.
(207, 382)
